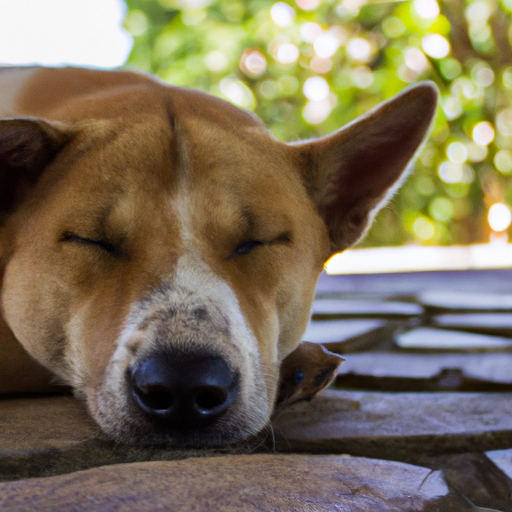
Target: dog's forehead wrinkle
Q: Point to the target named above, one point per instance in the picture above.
(181, 152)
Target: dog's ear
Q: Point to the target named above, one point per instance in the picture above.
(27, 146)
(306, 371)
(353, 172)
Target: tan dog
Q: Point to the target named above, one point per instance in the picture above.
(160, 248)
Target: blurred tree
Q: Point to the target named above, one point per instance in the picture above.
(307, 67)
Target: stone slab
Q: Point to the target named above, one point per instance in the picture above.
(427, 372)
(502, 459)
(340, 308)
(407, 283)
(52, 435)
(344, 336)
(487, 323)
(396, 425)
(476, 477)
(246, 483)
(429, 339)
(34, 424)
(449, 300)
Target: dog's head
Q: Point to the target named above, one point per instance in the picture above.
(161, 255)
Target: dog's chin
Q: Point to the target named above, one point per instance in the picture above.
(149, 435)
(123, 423)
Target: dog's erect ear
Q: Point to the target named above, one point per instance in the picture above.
(354, 171)
(27, 146)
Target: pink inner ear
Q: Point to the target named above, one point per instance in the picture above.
(364, 162)
(365, 176)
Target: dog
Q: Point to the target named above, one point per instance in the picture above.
(160, 248)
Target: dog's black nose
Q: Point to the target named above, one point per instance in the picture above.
(184, 393)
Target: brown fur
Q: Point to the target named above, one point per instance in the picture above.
(306, 371)
(174, 178)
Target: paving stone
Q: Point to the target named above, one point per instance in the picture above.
(387, 371)
(503, 460)
(396, 425)
(48, 436)
(339, 308)
(344, 336)
(53, 435)
(35, 424)
(406, 283)
(487, 323)
(445, 300)
(428, 338)
(298, 483)
(476, 477)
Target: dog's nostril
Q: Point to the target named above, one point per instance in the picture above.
(157, 398)
(211, 398)
(184, 393)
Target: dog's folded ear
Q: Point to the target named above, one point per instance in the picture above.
(306, 371)
(353, 172)
(27, 146)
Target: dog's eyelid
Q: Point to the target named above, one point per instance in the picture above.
(284, 238)
(103, 244)
(245, 248)
(249, 245)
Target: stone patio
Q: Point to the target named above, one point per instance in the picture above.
(419, 418)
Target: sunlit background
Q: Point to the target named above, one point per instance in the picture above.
(56, 32)
(307, 67)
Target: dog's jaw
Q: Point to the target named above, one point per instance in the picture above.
(164, 321)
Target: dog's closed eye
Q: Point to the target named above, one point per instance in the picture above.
(100, 243)
(248, 246)
(245, 248)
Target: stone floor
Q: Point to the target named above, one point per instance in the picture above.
(419, 418)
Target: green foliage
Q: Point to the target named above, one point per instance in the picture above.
(307, 67)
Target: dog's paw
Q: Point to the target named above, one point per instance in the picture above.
(306, 371)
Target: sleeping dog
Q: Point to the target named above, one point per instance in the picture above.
(160, 248)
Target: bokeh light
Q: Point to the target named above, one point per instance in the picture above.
(282, 14)
(237, 92)
(310, 31)
(499, 217)
(360, 50)
(504, 122)
(428, 9)
(253, 62)
(450, 172)
(503, 161)
(483, 133)
(316, 88)
(424, 229)
(316, 112)
(457, 153)
(436, 46)
(308, 5)
(326, 45)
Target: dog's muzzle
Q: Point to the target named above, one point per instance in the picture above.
(183, 393)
